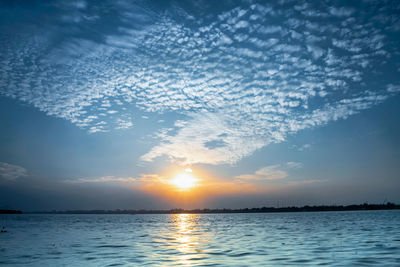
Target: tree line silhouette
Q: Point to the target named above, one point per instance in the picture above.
(365, 206)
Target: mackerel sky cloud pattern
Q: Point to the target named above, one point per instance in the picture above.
(241, 77)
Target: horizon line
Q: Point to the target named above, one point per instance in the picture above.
(305, 208)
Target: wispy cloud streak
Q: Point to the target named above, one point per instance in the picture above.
(11, 172)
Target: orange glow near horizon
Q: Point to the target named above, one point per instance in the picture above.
(194, 188)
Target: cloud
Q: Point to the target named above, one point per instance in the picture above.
(246, 77)
(393, 88)
(245, 132)
(302, 147)
(315, 51)
(11, 172)
(341, 11)
(273, 172)
(124, 124)
(191, 143)
(113, 179)
(294, 165)
(311, 181)
(104, 179)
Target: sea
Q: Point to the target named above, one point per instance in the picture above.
(350, 238)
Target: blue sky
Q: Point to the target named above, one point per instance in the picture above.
(282, 101)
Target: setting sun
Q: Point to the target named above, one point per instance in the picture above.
(184, 181)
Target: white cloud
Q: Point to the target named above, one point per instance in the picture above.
(341, 11)
(242, 24)
(113, 179)
(11, 172)
(104, 179)
(272, 172)
(246, 131)
(239, 84)
(269, 29)
(124, 124)
(303, 147)
(189, 145)
(391, 88)
(315, 51)
(294, 165)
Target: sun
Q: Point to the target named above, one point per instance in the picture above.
(184, 181)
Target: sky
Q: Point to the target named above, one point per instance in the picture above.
(256, 103)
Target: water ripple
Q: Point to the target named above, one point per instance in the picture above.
(362, 238)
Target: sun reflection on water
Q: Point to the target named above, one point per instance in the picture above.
(187, 240)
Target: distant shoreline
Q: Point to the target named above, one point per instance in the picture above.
(365, 206)
(10, 212)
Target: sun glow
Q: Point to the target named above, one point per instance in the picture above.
(184, 181)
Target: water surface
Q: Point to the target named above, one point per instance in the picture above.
(359, 238)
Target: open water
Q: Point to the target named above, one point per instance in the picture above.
(361, 238)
